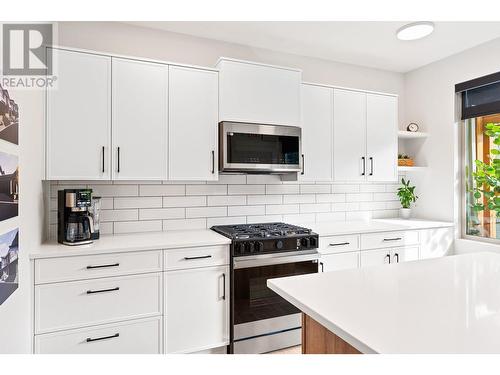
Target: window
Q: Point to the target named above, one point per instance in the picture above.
(482, 176)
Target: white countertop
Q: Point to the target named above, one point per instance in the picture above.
(134, 242)
(443, 305)
(372, 226)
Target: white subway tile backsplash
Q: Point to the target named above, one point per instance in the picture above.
(141, 206)
(246, 189)
(282, 189)
(161, 190)
(195, 201)
(184, 224)
(312, 189)
(137, 226)
(162, 213)
(193, 212)
(246, 210)
(282, 209)
(206, 189)
(298, 198)
(264, 199)
(138, 202)
(119, 215)
(227, 200)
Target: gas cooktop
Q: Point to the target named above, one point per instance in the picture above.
(260, 231)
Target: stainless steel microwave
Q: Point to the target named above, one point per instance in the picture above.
(258, 148)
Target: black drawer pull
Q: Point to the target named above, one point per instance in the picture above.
(339, 244)
(103, 290)
(387, 257)
(89, 339)
(224, 282)
(103, 266)
(392, 239)
(200, 257)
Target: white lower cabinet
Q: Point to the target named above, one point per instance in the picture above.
(142, 336)
(436, 242)
(388, 256)
(197, 309)
(340, 261)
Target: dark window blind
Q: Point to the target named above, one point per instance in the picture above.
(480, 96)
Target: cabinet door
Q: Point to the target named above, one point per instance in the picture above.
(257, 93)
(382, 138)
(317, 133)
(140, 108)
(349, 135)
(341, 261)
(193, 117)
(436, 242)
(79, 117)
(404, 254)
(375, 257)
(197, 309)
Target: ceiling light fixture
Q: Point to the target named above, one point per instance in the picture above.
(416, 30)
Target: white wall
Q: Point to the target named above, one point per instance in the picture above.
(430, 101)
(120, 38)
(15, 312)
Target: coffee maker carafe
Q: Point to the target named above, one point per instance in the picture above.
(74, 222)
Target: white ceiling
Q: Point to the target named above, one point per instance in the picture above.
(372, 44)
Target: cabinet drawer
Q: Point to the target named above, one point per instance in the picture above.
(84, 303)
(94, 266)
(389, 239)
(339, 244)
(141, 336)
(196, 257)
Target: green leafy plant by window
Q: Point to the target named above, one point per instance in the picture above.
(406, 194)
(486, 177)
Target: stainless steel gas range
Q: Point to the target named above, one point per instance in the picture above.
(262, 321)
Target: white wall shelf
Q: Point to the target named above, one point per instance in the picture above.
(411, 169)
(404, 134)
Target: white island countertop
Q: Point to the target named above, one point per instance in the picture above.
(134, 242)
(443, 305)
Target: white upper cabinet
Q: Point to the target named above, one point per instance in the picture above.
(258, 93)
(79, 118)
(193, 119)
(317, 133)
(140, 120)
(349, 135)
(382, 138)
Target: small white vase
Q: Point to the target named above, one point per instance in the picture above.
(405, 213)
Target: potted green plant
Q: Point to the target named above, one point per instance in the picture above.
(406, 195)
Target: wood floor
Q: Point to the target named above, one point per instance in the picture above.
(292, 350)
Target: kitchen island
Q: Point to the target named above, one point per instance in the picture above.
(443, 305)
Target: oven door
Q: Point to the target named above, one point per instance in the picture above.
(263, 321)
(259, 148)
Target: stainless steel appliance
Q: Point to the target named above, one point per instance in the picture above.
(261, 320)
(74, 223)
(257, 148)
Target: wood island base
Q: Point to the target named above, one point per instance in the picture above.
(316, 339)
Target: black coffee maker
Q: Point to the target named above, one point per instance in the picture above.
(74, 223)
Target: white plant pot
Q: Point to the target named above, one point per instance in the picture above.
(405, 213)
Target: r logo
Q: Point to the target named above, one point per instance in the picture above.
(24, 49)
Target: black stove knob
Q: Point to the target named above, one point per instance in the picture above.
(307, 242)
(279, 244)
(238, 248)
(250, 247)
(259, 246)
(314, 243)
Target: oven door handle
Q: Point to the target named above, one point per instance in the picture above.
(249, 262)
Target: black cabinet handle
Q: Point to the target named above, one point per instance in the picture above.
(102, 159)
(339, 244)
(389, 257)
(103, 290)
(213, 162)
(103, 266)
(224, 288)
(392, 239)
(371, 166)
(200, 257)
(303, 165)
(103, 338)
(118, 162)
(364, 165)
(397, 257)
(322, 266)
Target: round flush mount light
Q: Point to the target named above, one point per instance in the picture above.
(415, 30)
